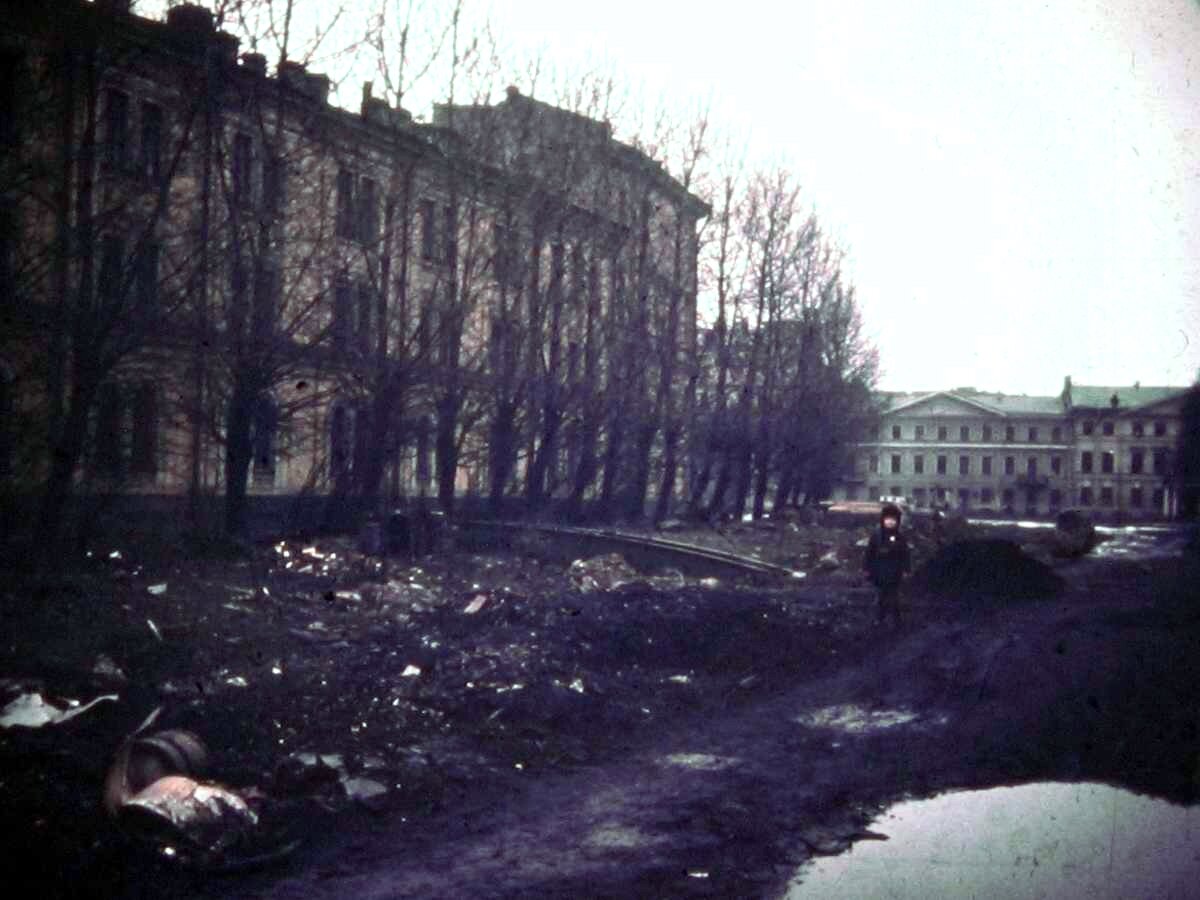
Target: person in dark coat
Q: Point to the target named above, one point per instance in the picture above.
(887, 561)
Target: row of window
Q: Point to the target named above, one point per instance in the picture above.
(1137, 428)
(942, 465)
(1030, 434)
(118, 149)
(1159, 461)
(1105, 496)
(986, 433)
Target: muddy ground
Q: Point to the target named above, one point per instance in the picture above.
(497, 724)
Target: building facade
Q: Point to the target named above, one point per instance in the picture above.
(209, 268)
(1106, 450)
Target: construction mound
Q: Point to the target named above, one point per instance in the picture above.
(990, 570)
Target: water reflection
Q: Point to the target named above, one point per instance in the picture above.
(1038, 840)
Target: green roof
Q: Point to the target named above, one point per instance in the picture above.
(1091, 396)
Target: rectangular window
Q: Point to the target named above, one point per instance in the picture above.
(964, 465)
(364, 317)
(874, 464)
(987, 495)
(107, 451)
(147, 278)
(1056, 434)
(1088, 426)
(1056, 465)
(116, 129)
(1107, 427)
(986, 465)
(1085, 461)
(241, 177)
(1160, 461)
(1010, 465)
(450, 226)
(343, 312)
(942, 432)
(345, 224)
(1055, 500)
(919, 432)
(895, 432)
(1160, 429)
(1031, 467)
(1137, 460)
(428, 231)
(987, 432)
(919, 465)
(1106, 496)
(1106, 463)
(1033, 435)
(1157, 499)
(368, 211)
(919, 496)
(274, 183)
(941, 465)
(108, 283)
(964, 433)
(150, 156)
(964, 499)
(1135, 497)
(895, 463)
(143, 457)
(1085, 496)
(1010, 433)
(1007, 498)
(1139, 429)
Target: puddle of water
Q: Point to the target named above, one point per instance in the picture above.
(851, 718)
(1039, 840)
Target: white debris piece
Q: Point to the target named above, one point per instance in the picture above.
(33, 711)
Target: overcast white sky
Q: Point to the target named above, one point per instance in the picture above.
(1017, 183)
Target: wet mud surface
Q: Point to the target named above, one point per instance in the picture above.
(503, 725)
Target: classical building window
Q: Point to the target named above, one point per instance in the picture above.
(274, 184)
(942, 432)
(919, 496)
(1107, 428)
(895, 432)
(874, 466)
(1106, 463)
(987, 495)
(1137, 460)
(986, 465)
(241, 172)
(150, 151)
(1031, 467)
(368, 211)
(450, 235)
(1136, 498)
(1160, 429)
(1010, 465)
(1106, 496)
(964, 499)
(1056, 434)
(918, 465)
(1160, 461)
(1033, 435)
(941, 465)
(1007, 498)
(345, 220)
(1085, 461)
(343, 312)
(1056, 465)
(895, 463)
(1085, 496)
(1088, 426)
(964, 433)
(964, 465)
(143, 450)
(1055, 499)
(1139, 429)
(919, 433)
(1010, 433)
(428, 230)
(987, 432)
(1157, 499)
(116, 129)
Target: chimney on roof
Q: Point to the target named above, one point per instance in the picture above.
(255, 64)
(512, 92)
(298, 78)
(1137, 385)
(1114, 401)
(190, 18)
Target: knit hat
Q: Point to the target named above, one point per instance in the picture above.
(890, 510)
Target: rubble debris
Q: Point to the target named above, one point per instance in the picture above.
(142, 760)
(206, 820)
(157, 590)
(365, 791)
(601, 573)
(985, 569)
(32, 710)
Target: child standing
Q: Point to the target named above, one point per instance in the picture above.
(887, 561)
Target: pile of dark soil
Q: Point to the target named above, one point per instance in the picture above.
(987, 570)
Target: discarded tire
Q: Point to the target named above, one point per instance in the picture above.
(141, 761)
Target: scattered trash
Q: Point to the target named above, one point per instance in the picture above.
(157, 589)
(410, 671)
(205, 820)
(365, 791)
(107, 668)
(154, 629)
(601, 573)
(33, 711)
(476, 604)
